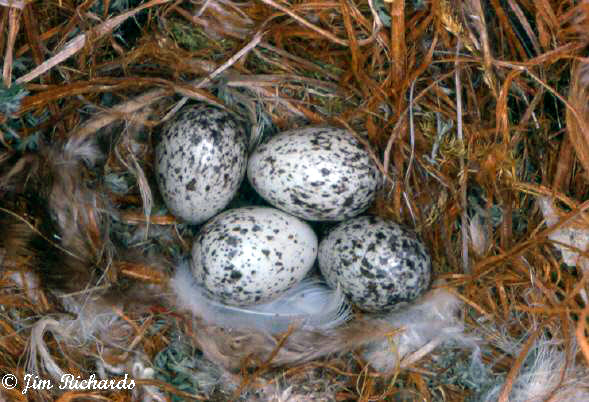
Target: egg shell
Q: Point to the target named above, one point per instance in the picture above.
(252, 255)
(315, 173)
(379, 264)
(200, 162)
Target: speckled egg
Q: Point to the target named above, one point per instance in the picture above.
(200, 162)
(315, 173)
(379, 264)
(253, 254)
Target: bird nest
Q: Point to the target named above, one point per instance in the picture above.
(477, 113)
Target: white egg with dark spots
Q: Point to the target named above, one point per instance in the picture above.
(315, 173)
(200, 162)
(251, 255)
(379, 264)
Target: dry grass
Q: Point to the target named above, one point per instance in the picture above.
(472, 109)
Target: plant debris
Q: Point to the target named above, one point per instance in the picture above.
(476, 112)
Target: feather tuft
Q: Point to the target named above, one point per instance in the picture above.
(311, 305)
(547, 374)
(423, 326)
(568, 238)
(39, 358)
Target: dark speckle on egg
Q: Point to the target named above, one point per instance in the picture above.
(379, 264)
(200, 162)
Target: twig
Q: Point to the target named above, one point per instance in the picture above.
(580, 334)
(412, 143)
(34, 229)
(484, 38)
(203, 8)
(412, 153)
(232, 60)
(78, 43)
(422, 352)
(552, 91)
(520, 248)
(393, 137)
(526, 25)
(515, 368)
(169, 388)
(397, 38)
(306, 23)
(302, 61)
(376, 21)
(14, 15)
(315, 28)
(463, 178)
(113, 114)
(242, 80)
(20, 4)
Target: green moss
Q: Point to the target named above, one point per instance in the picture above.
(186, 369)
(11, 98)
(193, 39)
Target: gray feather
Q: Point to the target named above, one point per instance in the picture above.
(311, 305)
